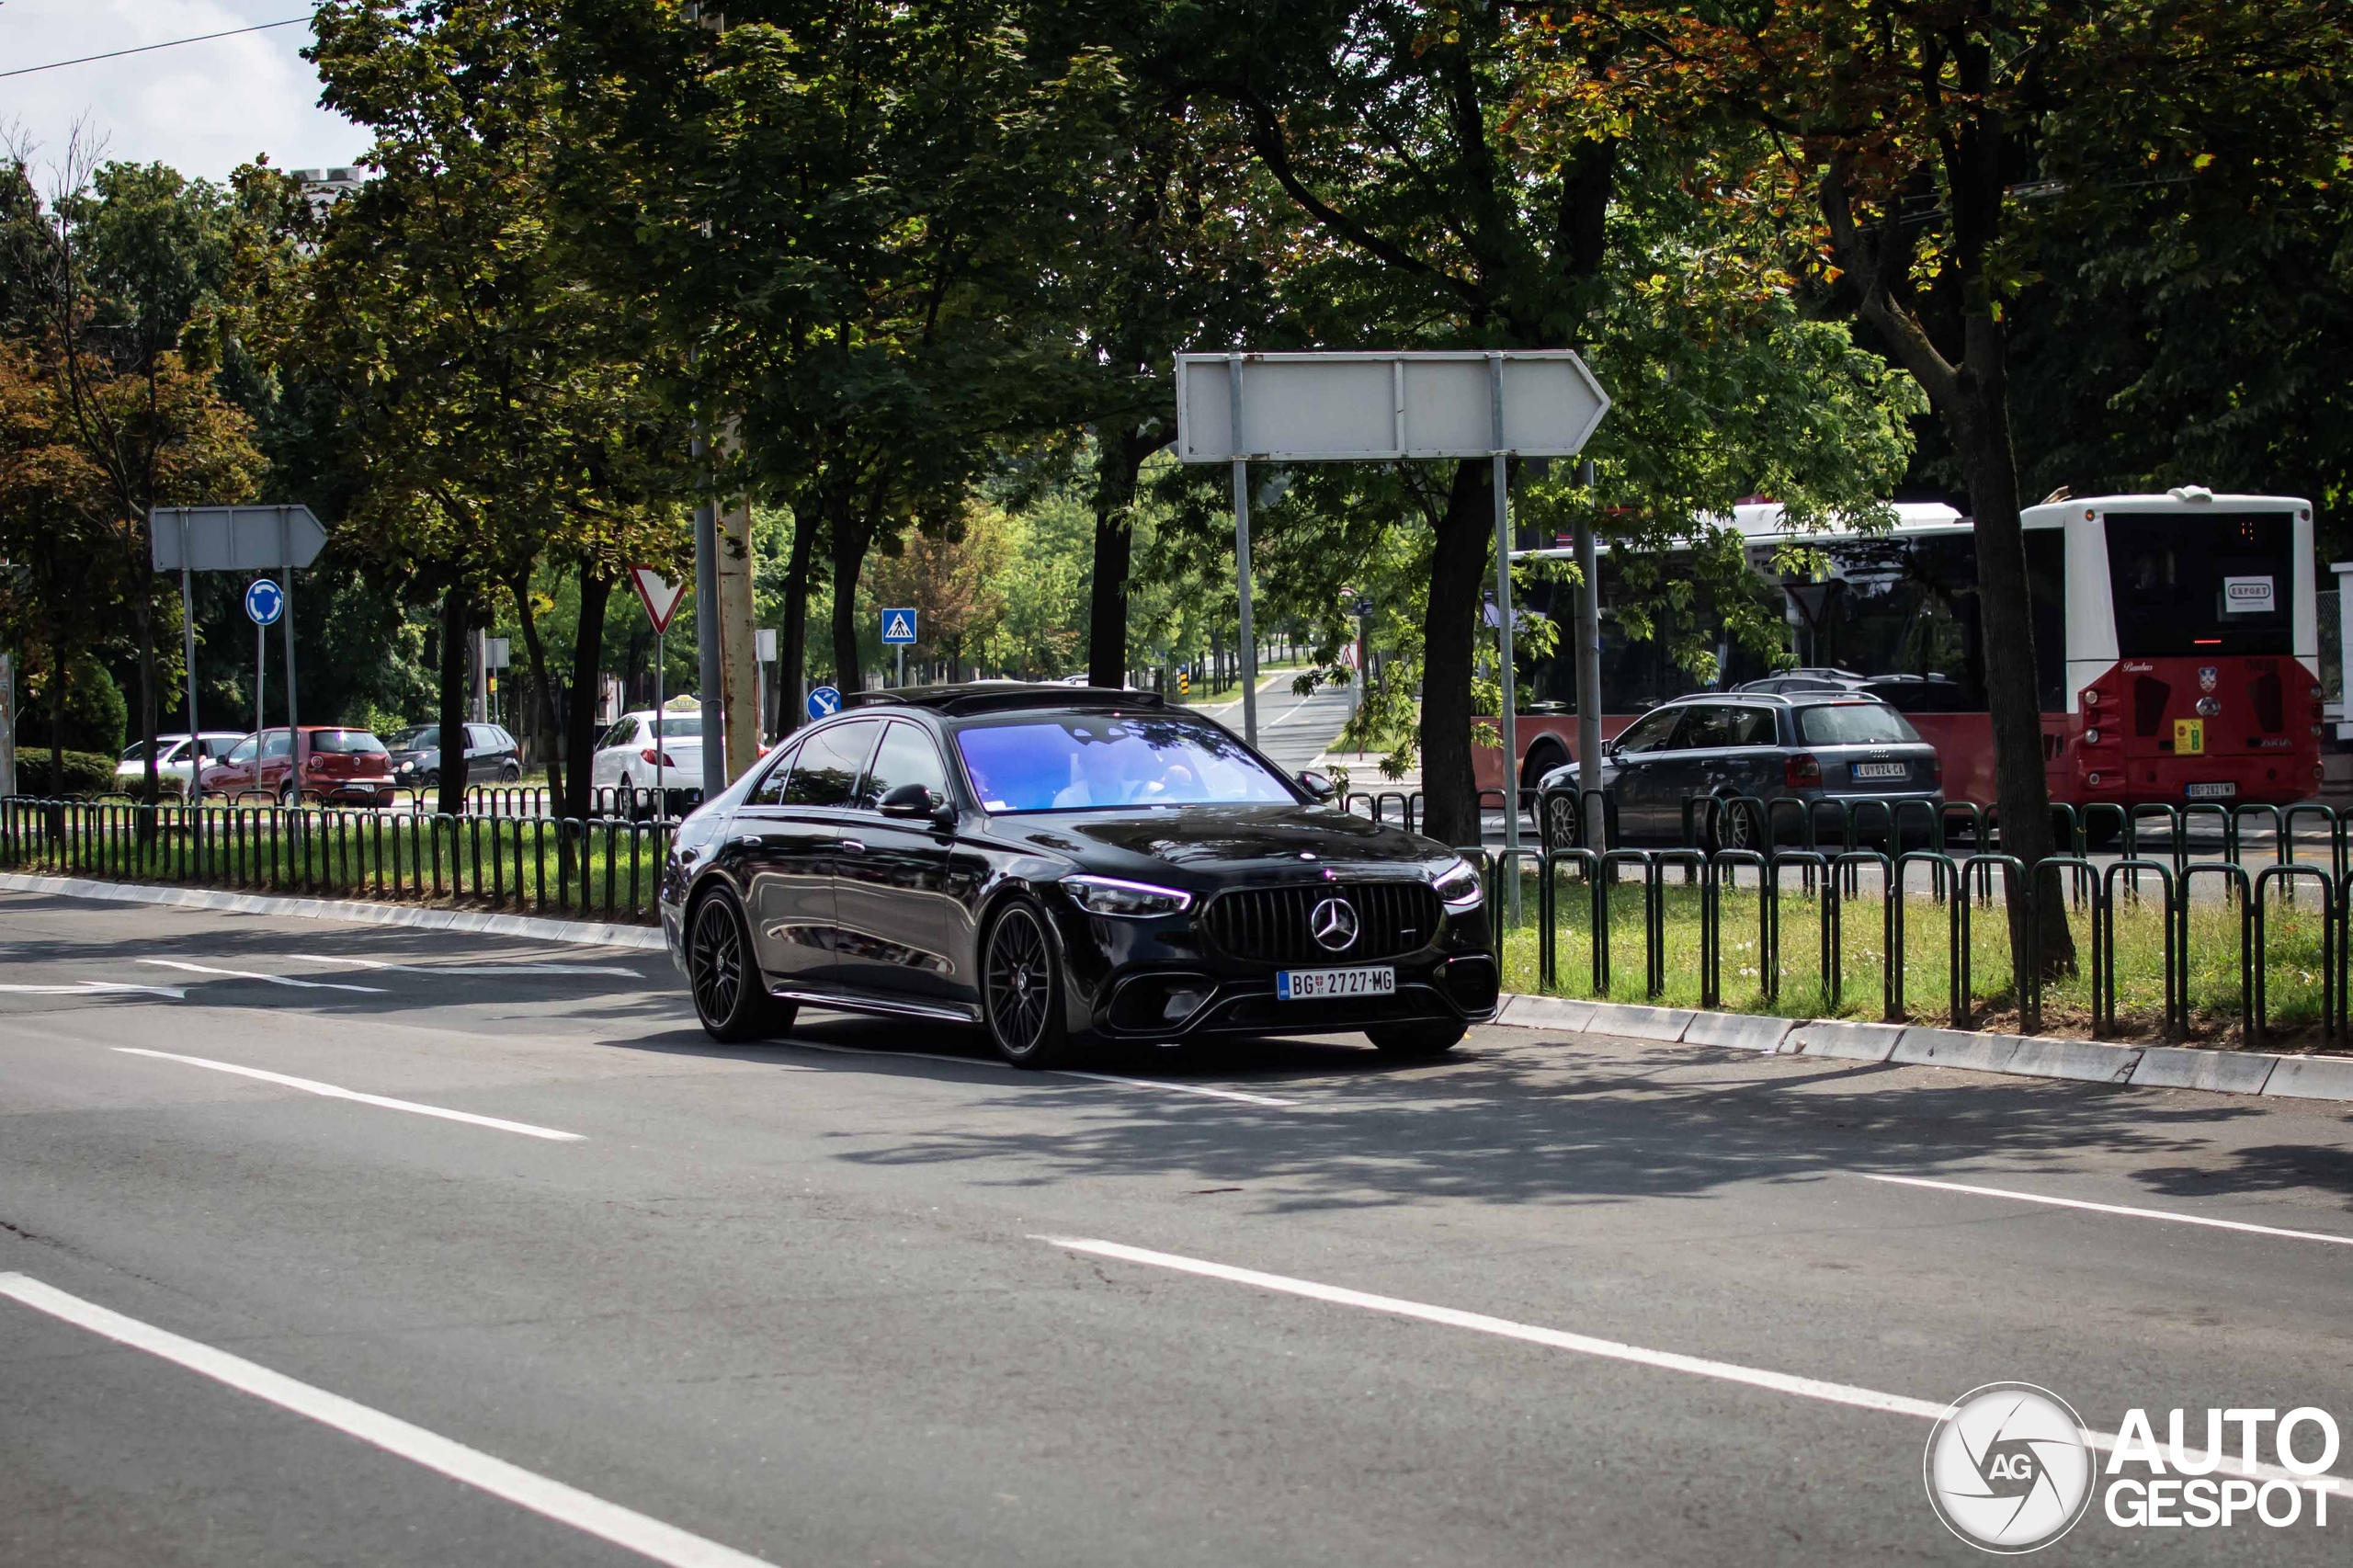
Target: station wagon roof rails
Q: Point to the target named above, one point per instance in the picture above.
(1001, 699)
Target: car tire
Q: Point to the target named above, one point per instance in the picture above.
(510, 774)
(732, 1002)
(1021, 988)
(1418, 1039)
(1732, 827)
(1562, 828)
(288, 796)
(432, 781)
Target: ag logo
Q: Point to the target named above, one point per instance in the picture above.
(2007, 1467)
(1333, 924)
(2208, 678)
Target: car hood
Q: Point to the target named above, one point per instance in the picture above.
(1225, 843)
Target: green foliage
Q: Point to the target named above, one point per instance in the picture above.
(86, 773)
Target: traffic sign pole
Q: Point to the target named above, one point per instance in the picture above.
(293, 723)
(195, 735)
(660, 757)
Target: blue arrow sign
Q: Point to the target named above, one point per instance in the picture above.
(823, 700)
(265, 602)
(898, 627)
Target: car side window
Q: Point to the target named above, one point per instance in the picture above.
(769, 790)
(907, 756)
(1750, 727)
(618, 735)
(273, 746)
(1651, 732)
(480, 738)
(830, 765)
(243, 751)
(1707, 728)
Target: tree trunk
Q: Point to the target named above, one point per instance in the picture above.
(1449, 640)
(852, 531)
(1980, 424)
(1115, 463)
(793, 652)
(537, 653)
(457, 611)
(58, 681)
(580, 728)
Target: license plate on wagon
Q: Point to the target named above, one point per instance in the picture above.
(2222, 791)
(1319, 984)
(1882, 770)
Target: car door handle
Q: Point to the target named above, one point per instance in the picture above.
(749, 841)
(853, 845)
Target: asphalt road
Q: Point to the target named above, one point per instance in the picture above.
(868, 1297)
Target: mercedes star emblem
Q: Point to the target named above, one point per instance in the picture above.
(1333, 924)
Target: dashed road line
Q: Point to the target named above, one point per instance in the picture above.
(257, 975)
(585, 1512)
(95, 988)
(336, 1091)
(2124, 1209)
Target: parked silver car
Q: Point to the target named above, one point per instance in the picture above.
(1756, 745)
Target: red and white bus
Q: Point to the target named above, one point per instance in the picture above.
(2177, 638)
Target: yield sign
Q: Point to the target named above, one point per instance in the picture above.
(660, 599)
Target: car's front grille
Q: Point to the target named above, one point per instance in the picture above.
(1272, 925)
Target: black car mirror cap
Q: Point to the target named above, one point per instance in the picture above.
(916, 803)
(1317, 783)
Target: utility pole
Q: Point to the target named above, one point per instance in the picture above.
(1589, 668)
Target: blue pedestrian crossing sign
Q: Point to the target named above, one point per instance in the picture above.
(265, 602)
(898, 627)
(823, 700)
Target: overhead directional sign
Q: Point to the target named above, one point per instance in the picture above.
(898, 627)
(265, 602)
(234, 538)
(1338, 407)
(659, 595)
(824, 701)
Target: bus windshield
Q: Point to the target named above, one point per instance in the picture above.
(2211, 584)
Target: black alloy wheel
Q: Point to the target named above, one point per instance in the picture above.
(1020, 997)
(1434, 1039)
(1561, 829)
(731, 999)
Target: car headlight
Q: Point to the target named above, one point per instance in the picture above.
(1457, 887)
(1135, 901)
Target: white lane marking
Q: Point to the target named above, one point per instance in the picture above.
(256, 974)
(566, 1505)
(1608, 1349)
(88, 987)
(335, 959)
(1051, 1072)
(312, 1086)
(2110, 1209)
(1202, 1089)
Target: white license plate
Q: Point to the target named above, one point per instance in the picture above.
(1314, 985)
(1882, 770)
(2222, 791)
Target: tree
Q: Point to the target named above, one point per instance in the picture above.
(1924, 133)
(506, 411)
(112, 418)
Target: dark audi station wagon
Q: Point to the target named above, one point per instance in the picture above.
(1807, 747)
(1057, 865)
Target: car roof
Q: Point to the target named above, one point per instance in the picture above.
(1785, 699)
(953, 702)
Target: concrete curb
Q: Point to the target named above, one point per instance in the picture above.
(578, 933)
(2020, 1056)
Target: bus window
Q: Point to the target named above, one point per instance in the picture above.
(2201, 585)
(2046, 589)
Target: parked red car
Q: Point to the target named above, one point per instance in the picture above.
(340, 767)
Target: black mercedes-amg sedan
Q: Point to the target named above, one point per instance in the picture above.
(1059, 864)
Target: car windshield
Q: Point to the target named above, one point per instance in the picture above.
(1853, 724)
(419, 737)
(1085, 762)
(135, 752)
(350, 743)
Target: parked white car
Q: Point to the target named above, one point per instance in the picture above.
(625, 754)
(173, 759)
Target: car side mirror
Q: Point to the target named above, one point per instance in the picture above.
(917, 803)
(1318, 784)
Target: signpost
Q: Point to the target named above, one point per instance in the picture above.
(1352, 407)
(263, 605)
(899, 631)
(188, 539)
(824, 701)
(660, 596)
(763, 650)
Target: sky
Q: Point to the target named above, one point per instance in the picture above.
(201, 108)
